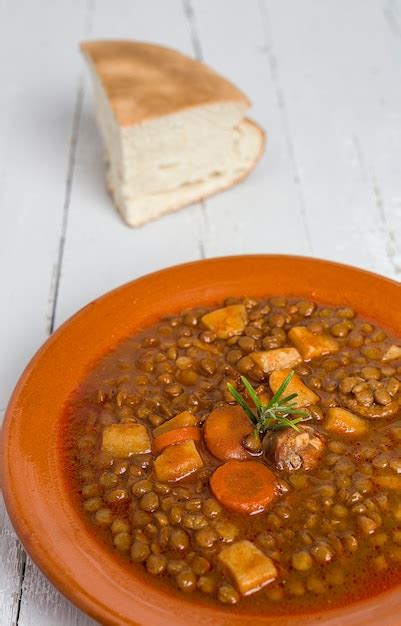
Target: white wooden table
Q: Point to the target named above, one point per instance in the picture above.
(325, 79)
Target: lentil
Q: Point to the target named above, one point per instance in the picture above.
(228, 595)
(122, 541)
(139, 551)
(302, 561)
(186, 580)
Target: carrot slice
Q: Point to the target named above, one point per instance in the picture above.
(224, 430)
(182, 420)
(175, 436)
(244, 486)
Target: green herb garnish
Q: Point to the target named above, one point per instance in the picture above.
(274, 414)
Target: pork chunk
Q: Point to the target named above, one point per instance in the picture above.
(291, 450)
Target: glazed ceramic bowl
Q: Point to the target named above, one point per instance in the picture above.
(41, 509)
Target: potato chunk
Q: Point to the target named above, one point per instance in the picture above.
(247, 566)
(394, 352)
(312, 346)
(177, 461)
(226, 322)
(182, 420)
(342, 422)
(277, 359)
(122, 440)
(305, 396)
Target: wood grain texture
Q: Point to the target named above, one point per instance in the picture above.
(12, 563)
(35, 135)
(343, 107)
(43, 605)
(325, 81)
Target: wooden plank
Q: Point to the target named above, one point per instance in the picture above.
(100, 249)
(266, 212)
(342, 92)
(378, 136)
(43, 605)
(38, 104)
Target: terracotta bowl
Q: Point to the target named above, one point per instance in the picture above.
(39, 504)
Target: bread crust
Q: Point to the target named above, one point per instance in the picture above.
(144, 81)
(203, 196)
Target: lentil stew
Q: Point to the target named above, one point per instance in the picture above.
(170, 473)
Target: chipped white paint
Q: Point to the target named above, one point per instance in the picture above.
(325, 81)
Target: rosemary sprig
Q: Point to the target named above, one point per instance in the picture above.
(274, 414)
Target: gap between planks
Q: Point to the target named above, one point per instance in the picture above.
(76, 122)
(198, 52)
(272, 60)
(390, 15)
(58, 265)
(388, 234)
(67, 198)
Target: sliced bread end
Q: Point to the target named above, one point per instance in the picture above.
(140, 210)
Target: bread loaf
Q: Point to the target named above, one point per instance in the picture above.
(173, 129)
